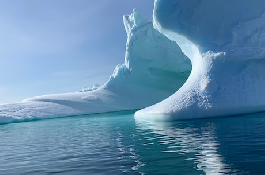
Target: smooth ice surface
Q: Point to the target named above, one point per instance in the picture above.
(154, 68)
(225, 41)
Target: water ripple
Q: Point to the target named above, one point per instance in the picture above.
(119, 144)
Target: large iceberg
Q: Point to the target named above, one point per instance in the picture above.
(225, 41)
(203, 58)
(154, 68)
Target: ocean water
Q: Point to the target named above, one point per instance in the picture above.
(117, 143)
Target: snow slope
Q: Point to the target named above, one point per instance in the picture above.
(225, 41)
(154, 68)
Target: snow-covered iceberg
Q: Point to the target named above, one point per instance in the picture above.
(225, 41)
(154, 68)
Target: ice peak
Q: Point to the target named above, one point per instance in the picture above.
(134, 20)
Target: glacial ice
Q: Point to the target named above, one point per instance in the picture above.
(154, 68)
(225, 41)
(203, 58)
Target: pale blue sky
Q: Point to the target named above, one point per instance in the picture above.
(57, 46)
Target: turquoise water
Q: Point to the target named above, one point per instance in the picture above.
(117, 143)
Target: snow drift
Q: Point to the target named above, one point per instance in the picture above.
(225, 41)
(154, 68)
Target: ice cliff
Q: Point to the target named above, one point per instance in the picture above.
(225, 41)
(154, 68)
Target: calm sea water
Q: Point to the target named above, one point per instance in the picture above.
(117, 143)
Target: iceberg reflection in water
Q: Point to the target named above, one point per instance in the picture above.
(196, 143)
(118, 143)
(234, 145)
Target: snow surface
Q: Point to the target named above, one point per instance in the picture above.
(154, 68)
(225, 41)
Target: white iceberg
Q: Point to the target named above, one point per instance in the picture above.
(225, 41)
(154, 68)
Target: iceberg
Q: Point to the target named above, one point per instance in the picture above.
(197, 59)
(225, 41)
(154, 68)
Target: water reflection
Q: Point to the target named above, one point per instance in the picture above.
(197, 144)
(117, 143)
(213, 146)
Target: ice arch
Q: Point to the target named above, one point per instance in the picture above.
(225, 41)
(154, 68)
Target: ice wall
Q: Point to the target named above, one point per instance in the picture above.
(225, 41)
(154, 68)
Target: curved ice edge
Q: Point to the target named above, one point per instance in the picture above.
(34, 119)
(212, 92)
(222, 82)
